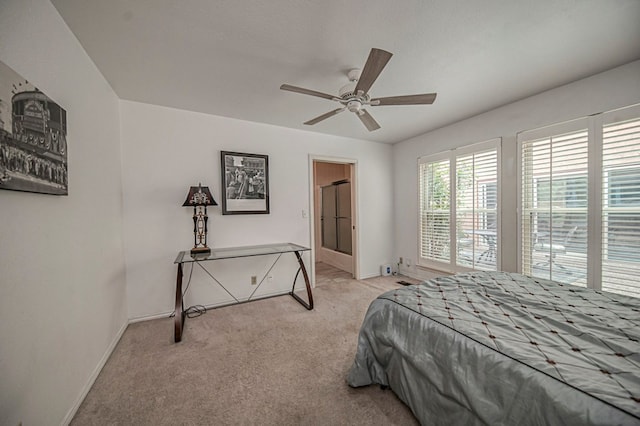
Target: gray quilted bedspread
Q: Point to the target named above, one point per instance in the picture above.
(502, 348)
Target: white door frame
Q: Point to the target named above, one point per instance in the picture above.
(355, 236)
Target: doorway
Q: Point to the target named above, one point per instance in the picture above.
(334, 239)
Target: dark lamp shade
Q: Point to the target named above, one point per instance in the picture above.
(199, 196)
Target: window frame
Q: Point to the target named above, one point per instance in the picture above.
(452, 156)
(603, 120)
(596, 176)
(573, 131)
(434, 158)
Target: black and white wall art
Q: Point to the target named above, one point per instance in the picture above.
(245, 183)
(33, 138)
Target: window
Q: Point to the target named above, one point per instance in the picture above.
(435, 203)
(580, 202)
(459, 222)
(621, 227)
(476, 210)
(554, 206)
(620, 243)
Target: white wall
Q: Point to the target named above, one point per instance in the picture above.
(166, 150)
(613, 89)
(62, 279)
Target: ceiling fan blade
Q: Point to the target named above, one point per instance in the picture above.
(376, 62)
(368, 120)
(424, 99)
(296, 89)
(324, 116)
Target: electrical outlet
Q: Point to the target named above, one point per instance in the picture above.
(254, 280)
(400, 260)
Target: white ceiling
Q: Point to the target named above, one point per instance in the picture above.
(229, 57)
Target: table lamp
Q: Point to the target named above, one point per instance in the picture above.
(199, 197)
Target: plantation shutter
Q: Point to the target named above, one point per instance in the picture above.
(459, 204)
(477, 209)
(554, 203)
(621, 205)
(435, 202)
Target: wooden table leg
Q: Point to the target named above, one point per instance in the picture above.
(309, 305)
(179, 312)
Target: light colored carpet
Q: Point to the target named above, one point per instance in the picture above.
(269, 362)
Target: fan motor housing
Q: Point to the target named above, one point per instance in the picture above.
(350, 99)
(346, 91)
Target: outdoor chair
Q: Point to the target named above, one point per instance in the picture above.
(551, 249)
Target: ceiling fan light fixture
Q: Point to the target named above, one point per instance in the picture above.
(354, 106)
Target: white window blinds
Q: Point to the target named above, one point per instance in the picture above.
(477, 209)
(554, 207)
(580, 202)
(621, 207)
(435, 202)
(459, 204)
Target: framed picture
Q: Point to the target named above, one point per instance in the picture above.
(245, 183)
(33, 138)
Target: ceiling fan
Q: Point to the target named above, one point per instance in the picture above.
(355, 95)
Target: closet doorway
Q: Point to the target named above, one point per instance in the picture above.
(334, 214)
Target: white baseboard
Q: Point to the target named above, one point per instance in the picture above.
(214, 305)
(255, 299)
(150, 317)
(87, 387)
(364, 277)
(421, 273)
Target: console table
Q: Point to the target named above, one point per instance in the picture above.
(232, 253)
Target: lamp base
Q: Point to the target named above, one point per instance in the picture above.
(200, 250)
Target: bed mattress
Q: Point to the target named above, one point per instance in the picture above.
(503, 348)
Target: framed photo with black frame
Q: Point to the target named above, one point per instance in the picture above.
(245, 183)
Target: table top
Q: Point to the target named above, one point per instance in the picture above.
(235, 252)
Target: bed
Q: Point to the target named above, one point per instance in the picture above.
(503, 348)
